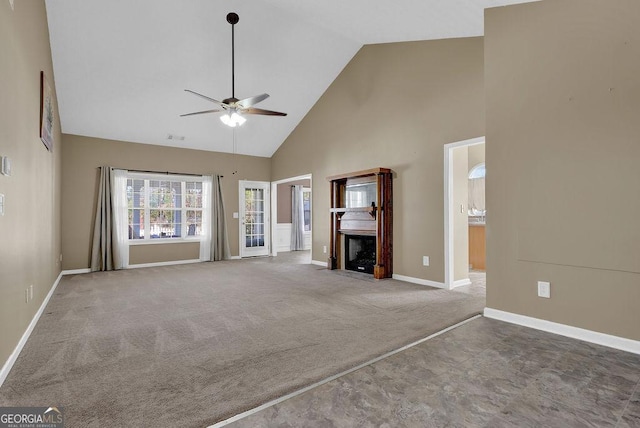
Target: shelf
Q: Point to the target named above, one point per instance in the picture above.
(357, 232)
(354, 210)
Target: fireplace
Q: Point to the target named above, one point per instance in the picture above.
(360, 253)
(362, 222)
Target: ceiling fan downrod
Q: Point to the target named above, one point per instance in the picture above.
(233, 18)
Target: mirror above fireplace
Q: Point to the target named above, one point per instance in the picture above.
(360, 195)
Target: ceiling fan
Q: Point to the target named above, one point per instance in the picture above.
(233, 107)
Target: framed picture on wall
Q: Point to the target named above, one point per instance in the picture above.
(46, 112)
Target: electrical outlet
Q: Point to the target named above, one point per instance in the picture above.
(26, 295)
(1, 204)
(425, 260)
(544, 289)
(324, 249)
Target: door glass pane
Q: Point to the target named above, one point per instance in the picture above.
(254, 217)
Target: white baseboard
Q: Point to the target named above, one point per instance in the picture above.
(8, 365)
(461, 282)
(137, 266)
(418, 281)
(76, 271)
(171, 263)
(603, 339)
(319, 263)
(235, 258)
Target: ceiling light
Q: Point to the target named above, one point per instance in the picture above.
(232, 119)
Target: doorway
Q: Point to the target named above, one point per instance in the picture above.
(456, 213)
(254, 216)
(281, 200)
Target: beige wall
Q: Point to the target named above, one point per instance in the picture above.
(563, 102)
(30, 228)
(83, 156)
(156, 253)
(284, 199)
(476, 155)
(394, 106)
(460, 196)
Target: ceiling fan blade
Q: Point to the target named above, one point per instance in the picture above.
(205, 97)
(252, 110)
(248, 102)
(200, 112)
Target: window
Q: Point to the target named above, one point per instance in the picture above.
(306, 204)
(162, 208)
(478, 171)
(477, 207)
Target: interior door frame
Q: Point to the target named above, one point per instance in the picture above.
(274, 208)
(242, 185)
(449, 282)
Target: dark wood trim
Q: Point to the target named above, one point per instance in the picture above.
(332, 263)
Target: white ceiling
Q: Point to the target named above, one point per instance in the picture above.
(121, 66)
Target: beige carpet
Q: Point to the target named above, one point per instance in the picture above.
(190, 345)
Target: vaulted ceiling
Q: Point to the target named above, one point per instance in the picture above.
(121, 66)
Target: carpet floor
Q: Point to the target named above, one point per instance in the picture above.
(190, 345)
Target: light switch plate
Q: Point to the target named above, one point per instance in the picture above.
(235, 215)
(1, 204)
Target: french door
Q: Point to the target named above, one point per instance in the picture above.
(254, 218)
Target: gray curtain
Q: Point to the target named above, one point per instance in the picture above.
(103, 232)
(297, 218)
(220, 238)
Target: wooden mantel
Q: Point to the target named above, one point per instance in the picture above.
(357, 174)
(372, 218)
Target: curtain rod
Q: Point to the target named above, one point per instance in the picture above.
(164, 172)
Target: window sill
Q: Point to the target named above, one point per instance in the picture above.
(153, 241)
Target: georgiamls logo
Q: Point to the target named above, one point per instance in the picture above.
(31, 417)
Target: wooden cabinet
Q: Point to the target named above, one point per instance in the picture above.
(477, 253)
(362, 209)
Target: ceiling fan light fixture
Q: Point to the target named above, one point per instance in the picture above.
(232, 107)
(232, 119)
